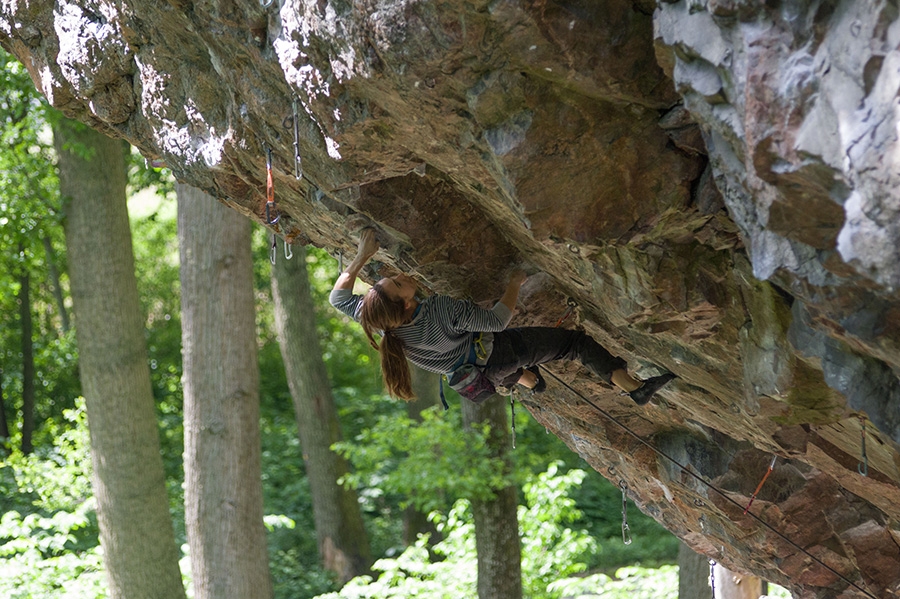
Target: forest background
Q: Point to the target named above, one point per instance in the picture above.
(570, 517)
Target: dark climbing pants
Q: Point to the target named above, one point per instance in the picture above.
(516, 349)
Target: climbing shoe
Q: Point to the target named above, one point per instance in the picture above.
(541, 385)
(642, 394)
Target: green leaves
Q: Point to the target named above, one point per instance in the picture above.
(427, 464)
(48, 533)
(551, 550)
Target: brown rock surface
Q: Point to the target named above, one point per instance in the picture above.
(483, 135)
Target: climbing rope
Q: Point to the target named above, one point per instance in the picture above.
(626, 530)
(761, 483)
(863, 466)
(710, 486)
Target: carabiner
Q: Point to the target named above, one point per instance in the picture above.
(626, 530)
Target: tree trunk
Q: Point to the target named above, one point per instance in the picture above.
(132, 507)
(28, 391)
(693, 574)
(731, 585)
(222, 464)
(496, 521)
(343, 544)
(426, 388)
(56, 285)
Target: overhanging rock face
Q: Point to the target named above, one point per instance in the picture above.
(748, 243)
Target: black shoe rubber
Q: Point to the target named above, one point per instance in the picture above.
(642, 394)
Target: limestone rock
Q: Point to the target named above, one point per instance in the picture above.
(713, 181)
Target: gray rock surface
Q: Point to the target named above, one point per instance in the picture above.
(713, 181)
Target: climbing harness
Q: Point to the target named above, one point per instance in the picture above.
(571, 305)
(626, 530)
(298, 163)
(712, 577)
(761, 483)
(710, 486)
(270, 191)
(863, 466)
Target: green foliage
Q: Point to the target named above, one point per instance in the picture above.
(550, 548)
(293, 551)
(601, 504)
(30, 217)
(424, 463)
(48, 533)
(143, 175)
(632, 582)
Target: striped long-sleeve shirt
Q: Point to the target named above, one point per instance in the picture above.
(441, 334)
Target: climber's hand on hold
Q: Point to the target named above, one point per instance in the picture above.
(368, 244)
(517, 278)
(511, 295)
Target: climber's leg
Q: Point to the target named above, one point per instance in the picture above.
(516, 349)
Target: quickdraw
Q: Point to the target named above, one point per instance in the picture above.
(712, 577)
(270, 192)
(273, 251)
(626, 530)
(761, 483)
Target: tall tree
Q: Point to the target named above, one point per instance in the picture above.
(496, 519)
(731, 585)
(693, 573)
(426, 387)
(222, 465)
(342, 541)
(136, 531)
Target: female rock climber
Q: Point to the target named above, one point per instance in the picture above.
(440, 334)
